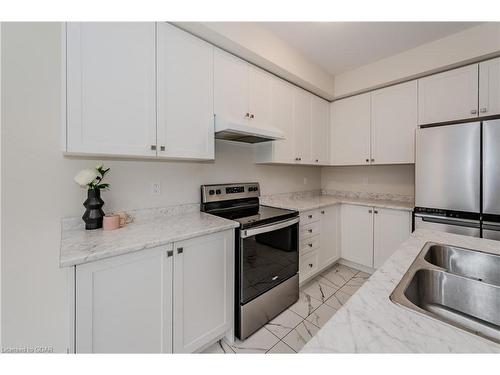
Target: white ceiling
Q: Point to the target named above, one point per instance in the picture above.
(342, 46)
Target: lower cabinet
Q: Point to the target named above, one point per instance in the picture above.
(175, 298)
(319, 240)
(371, 235)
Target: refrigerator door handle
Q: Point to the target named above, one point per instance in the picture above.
(449, 220)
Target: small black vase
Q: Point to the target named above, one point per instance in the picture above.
(94, 213)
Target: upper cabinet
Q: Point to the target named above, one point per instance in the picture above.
(302, 126)
(231, 88)
(185, 80)
(131, 91)
(320, 130)
(489, 87)
(448, 96)
(393, 124)
(260, 97)
(111, 88)
(350, 135)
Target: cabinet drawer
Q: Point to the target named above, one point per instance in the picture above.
(308, 265)
(309, 230)
(309, 217)
(309, 244)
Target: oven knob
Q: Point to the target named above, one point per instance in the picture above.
(217, 191)
(211, 192)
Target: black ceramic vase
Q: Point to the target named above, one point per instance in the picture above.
(94, 213)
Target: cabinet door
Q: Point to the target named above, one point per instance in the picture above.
(357, 234)
(124, 304)
(393, 124)
(260, 91)
(350, 144)
(489, 87)
(302, 125)
(282, 119)
(203, 292)
(230, 88)
(185, 95)
(448, 96)
(330, 235)
(111, 88)
(391, 229)
(320, 124)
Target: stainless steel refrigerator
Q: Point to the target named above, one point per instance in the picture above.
(457, 178)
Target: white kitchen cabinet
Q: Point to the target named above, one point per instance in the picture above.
(350, 130)
(448, 96)
(172, 298)
(308, 265)
(203, 290)
(393, 124)
(124, 304)
(320, 130)
(110, 78)
(329, 250)
(489, 87)
(391, 229)
(357, 234)
(185, 95)
(302, 126)
(231, 88)
(260, 97)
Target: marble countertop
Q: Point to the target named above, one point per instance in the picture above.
(151, 228)
(370, 323)
(311, 202)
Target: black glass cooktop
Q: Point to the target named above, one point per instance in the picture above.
(258, 215)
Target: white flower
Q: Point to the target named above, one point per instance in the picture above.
(86, 176)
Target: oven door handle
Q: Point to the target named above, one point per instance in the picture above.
(268, 228)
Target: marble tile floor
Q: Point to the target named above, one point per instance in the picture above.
(319, 300)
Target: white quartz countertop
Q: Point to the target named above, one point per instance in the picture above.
(370, 323)
(306, 203)
(157, 228)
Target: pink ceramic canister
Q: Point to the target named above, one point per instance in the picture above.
(111, 222)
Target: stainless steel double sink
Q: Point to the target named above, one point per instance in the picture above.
(455, 285)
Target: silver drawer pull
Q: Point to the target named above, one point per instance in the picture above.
(180, 250)
(170, 253)
(310, 230)
(310, 216)
(310, 244)
(310, 265)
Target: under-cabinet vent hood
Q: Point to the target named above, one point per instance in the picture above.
(243, 133)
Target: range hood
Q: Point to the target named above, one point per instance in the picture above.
(230, 131)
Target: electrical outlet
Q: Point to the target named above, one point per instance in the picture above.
(156, 188)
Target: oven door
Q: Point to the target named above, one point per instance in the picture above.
(269, 255)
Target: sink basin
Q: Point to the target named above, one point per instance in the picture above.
(469, 263)
(454, 285)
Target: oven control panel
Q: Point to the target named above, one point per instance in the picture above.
(214, 193)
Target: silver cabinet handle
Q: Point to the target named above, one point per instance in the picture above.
(375, 212)
(153, 147)
(252, 115)
(170, 253)
(369, 211)
(483, 110)
(372, 160)
(310, 244)
(180, 250)
(247, 115)
(317, 160)
(367, 160)
(310, 230)
(473, 111)
(310, 216)
(297, 159)
(323, 212)
(162, 148)
(310, 265)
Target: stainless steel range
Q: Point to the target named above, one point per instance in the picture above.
(267, 253)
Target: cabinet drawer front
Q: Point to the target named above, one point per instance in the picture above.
(309, 244)
(308, 265)
(309, 217)
(309, 230)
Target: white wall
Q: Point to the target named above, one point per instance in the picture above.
(393, 179)
(38, 187)
(466, 46)
(256, 44)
